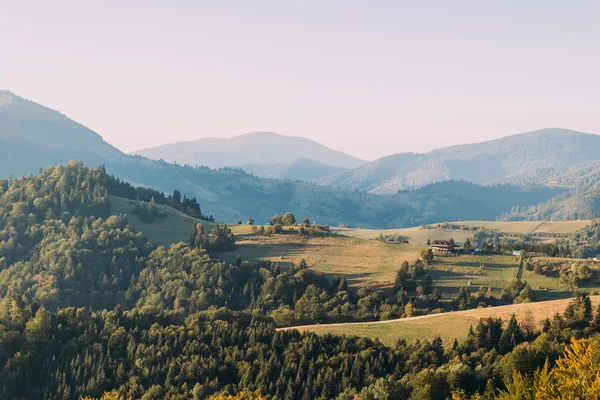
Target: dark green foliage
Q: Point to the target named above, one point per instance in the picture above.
(427, 255)
(288, 219)
(179, 355)
(87, 305)
(189, 206)
(496, 242)
(588, 240)
(221, 238)
(517, 291)
(511, 336)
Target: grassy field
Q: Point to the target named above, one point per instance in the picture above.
(415, 235)
(173, 228)
(448, 326)
(374, 263)
(453, 272)
(562, 226)
(363, 262)
(420, 235)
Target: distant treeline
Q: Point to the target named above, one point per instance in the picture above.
(189, 206)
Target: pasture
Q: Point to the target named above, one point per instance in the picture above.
(448, 326)
(363, 262)
(173, 228)
(450, 273)
(420, 235)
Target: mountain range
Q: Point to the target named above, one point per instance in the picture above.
(556, 171)
(256, 148)
(538, 157)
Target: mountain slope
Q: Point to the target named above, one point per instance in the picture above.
(302, 169)
(251, 148)
(44, 137)
(532, 157)
(25, 121)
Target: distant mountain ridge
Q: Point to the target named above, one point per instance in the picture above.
(24, 120)
(532, 157)
(33, 137)
(303, 169)
(249, 149)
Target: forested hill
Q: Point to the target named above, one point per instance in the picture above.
(33, 137)
(88, 305)
(540, 157)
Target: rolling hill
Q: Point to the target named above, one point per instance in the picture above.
(251, 148)
(33, 137)
(448, 326)
(540, 157)
(303, 169)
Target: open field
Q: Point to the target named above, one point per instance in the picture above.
(363, 262)
(416, 235)
(562, 226)
(173, 228)
(451, 273)
(420, 235)
(448, 326)
(374, 263)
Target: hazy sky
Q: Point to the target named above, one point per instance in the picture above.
(370, 78)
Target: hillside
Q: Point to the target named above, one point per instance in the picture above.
(446, 231)
(448, 326)
(231, 194)
(540, 157)
(303, 169)
(75, 277)
(251, 148)
(173, 227)
(364, 263)
(33, 136)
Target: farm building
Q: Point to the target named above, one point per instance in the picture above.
(442, 246)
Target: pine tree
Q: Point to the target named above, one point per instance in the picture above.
(511, 336)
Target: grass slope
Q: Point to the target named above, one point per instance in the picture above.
(453, 272)
(448, 326)
(420, 235)
(363, 262)
(373, 263)
(173, 228)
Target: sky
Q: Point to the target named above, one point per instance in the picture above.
(370, 78)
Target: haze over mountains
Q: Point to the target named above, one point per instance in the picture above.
(538, 157)
(249, 149)
(535, 157)
(33, 136)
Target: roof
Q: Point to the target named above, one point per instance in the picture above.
(442, 242)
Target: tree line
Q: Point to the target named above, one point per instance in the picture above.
(88, 305)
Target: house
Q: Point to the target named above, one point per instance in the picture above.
(442, 246)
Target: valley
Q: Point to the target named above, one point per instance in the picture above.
(299, 201)
(82, 262)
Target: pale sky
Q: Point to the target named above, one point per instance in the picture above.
(370, 78)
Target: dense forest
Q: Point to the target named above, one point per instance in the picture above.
(88, 305)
